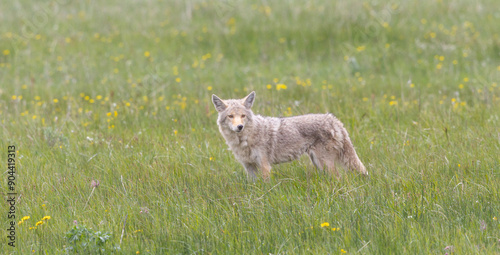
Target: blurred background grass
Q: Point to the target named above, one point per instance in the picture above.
(119, 92)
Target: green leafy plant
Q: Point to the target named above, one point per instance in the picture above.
(84, 240)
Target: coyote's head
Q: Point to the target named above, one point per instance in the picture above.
(234, 114)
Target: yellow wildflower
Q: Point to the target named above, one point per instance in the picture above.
(39, 223)
(280, 86)
(325, 224)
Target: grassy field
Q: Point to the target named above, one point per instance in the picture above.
(108, 105)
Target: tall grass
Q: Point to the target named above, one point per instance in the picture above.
(119, 92)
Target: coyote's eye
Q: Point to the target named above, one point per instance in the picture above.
(230, 116)
(243, 116)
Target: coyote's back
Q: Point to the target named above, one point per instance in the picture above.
(258, 141)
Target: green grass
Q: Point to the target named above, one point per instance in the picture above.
(119, 92)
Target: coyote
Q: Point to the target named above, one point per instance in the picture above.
(258, 141)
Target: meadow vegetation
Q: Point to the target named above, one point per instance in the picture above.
(108, 105)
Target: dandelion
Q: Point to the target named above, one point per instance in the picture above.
(439, 66)
(455, 62)
(391, 103)
(495, 218)
(231, 21)
(361, 48)
(325, 224)
(39, 223)
(206, 56)
(209, 88)
(466, 79)
(6, 52)
(146, 54)
(280, 86)
(178, 79)
(433, 35)
(68, 40)
(423, 21)
(269, 86)
(343, 251)
(46, 218)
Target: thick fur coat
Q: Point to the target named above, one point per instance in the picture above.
(259, 142)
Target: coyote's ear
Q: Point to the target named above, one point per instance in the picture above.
(248, 100)
(218, 103)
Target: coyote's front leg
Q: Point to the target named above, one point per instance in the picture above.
(266, 168)
(251, 170)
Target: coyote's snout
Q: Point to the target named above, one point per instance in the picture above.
(258, 141)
